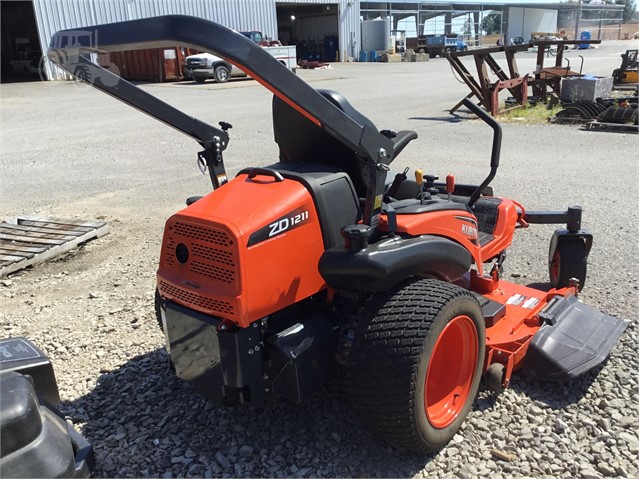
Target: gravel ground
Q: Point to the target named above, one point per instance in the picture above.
(72, 153)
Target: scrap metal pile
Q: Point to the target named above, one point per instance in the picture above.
(612, 113)
(617, 113)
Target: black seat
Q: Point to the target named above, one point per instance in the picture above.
(301, 140)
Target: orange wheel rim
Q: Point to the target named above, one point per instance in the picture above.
(451, 371)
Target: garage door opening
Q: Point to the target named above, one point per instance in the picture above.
(21, 53)
(313, 29)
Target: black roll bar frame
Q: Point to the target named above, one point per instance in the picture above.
(375, 150)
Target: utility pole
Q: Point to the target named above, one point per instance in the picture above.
(577, 20)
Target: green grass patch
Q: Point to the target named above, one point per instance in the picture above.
(529, 114)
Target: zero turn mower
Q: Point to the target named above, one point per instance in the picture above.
(280, 274)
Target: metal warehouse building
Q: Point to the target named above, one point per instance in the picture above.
(328, 30)
(28, 25)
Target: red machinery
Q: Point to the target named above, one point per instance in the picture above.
(280, 274)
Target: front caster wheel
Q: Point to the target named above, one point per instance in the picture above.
(416, 364)
(567, 259)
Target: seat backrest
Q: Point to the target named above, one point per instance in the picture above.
(301, 140)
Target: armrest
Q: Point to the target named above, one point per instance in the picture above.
(402, 139)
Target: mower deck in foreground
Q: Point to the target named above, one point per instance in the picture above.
(322, 258)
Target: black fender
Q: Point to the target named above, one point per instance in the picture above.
(380, 266)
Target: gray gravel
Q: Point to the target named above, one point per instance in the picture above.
(80, 154)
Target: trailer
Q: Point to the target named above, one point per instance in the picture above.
(440, 45)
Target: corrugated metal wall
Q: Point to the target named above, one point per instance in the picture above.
(349, 24)
(54, 15)
(316, 27)
(314, 30)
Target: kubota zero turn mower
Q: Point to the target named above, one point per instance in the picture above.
(322, 258)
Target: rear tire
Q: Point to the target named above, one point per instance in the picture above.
(199, 79)
(416, 364)
(568, 260)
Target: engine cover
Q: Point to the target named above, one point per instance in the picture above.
(252, 247)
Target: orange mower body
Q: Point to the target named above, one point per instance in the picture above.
(324, 258)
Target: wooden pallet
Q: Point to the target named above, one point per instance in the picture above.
(28, 240)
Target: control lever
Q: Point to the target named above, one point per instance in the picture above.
(498, 269)
(450, 185)
(494, 156)
(419, 179)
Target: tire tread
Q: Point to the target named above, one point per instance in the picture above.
(382, 376)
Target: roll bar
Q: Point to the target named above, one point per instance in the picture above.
(374, 149)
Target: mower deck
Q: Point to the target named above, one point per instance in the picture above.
(551, 335)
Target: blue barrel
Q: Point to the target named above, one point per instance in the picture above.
(363, 56)
(372, 56)
(585, 35)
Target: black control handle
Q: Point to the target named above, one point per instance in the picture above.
(494, 157)
(490, 121)
(265, 172)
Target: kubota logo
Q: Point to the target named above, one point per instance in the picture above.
(78, 51)
(469, 230)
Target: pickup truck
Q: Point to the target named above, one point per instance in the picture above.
(203, 66)
(286, 55)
